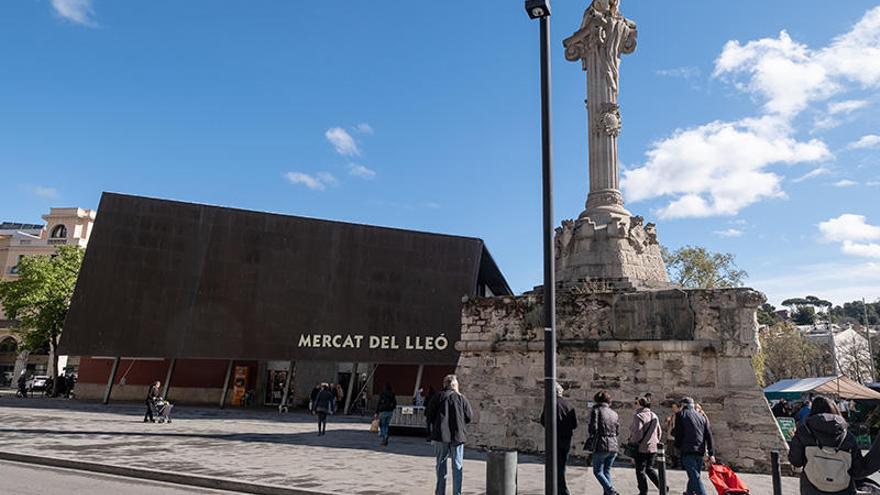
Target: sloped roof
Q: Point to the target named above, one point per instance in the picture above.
(830, 385)
(170, 279)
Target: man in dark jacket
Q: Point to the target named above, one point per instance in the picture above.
(152, 396)
(448, 413)
(566, 423)
(693, 438)
(385, 411)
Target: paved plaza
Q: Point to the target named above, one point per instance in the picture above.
(267, 448)
(24, 479)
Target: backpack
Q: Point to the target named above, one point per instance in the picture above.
(827, 468)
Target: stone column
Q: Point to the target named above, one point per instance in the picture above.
(602, 37)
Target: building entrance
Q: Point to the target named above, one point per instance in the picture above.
(276, 378)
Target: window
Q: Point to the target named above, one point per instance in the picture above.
(8, 344)
(59, 232)
(14, 269)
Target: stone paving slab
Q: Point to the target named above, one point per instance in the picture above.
(262, 446)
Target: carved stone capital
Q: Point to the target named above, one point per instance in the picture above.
(605, 197)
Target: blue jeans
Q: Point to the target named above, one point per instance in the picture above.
(602, 462)
(442, 451)
(693, 464)
(385, 423)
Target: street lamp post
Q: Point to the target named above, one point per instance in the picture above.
(540, 9)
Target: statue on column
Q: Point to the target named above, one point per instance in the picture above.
(605, 29)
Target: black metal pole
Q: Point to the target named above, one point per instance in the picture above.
(661, 468)
(549, 269)
(776, 472)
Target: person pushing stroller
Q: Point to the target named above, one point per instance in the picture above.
(157, 406)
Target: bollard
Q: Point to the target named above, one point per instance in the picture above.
(501, 473)
(777, 472)
(661, 468)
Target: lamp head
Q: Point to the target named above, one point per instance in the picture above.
(538, 8)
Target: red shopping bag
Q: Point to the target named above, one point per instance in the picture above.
(726, 481)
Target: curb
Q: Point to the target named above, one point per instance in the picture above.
(163, 476)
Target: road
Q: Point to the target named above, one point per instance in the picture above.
(24, 479)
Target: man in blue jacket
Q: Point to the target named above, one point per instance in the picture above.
(693, 439)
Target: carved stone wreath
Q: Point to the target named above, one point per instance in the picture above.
(608, 120)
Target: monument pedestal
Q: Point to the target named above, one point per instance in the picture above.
(620, 255)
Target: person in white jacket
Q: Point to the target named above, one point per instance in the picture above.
(645, 432)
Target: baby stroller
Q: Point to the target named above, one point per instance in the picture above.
(726, 481)
(163, 410)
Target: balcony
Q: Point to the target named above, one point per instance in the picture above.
(56, 242)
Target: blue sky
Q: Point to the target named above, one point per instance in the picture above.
(736, 136)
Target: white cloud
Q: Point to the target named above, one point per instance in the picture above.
(873, 183)
(45, 192)
(845, 183)
(865, 250)
(342, 141)
(781, 70)
(847, 106)
(729, 233)
(361, 171)
(816, 172)
(789, 76)
(865, 142)
(687, 72)
(830, 120)
(719, 168)
(432, 205)
(317, 182)
(364, 128)
(327, 178)
(855, 235)
(849, 227)
(76, 11)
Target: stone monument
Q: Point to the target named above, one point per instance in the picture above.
(620, 325)
(606, 244)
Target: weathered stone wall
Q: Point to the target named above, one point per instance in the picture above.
(671, 343)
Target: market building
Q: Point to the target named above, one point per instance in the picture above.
(227, 306)
(64, 226)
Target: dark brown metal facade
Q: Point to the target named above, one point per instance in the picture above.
(170, 279)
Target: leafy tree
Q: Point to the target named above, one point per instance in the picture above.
(854, 312)
(767, 315)
(695, 267)
(787, 353)
(38, 300)
(804, 315)
(805, 309)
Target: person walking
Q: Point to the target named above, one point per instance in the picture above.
(566, 423)
(313, 396)
(385, 410)
(449, 412)
(428, 398)
(324, 406)
(671, 452)
(693, 439)
(644, 436)
(153, 395)
(804, 411)
(22, 384)
(822, 444)
(602, 440)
